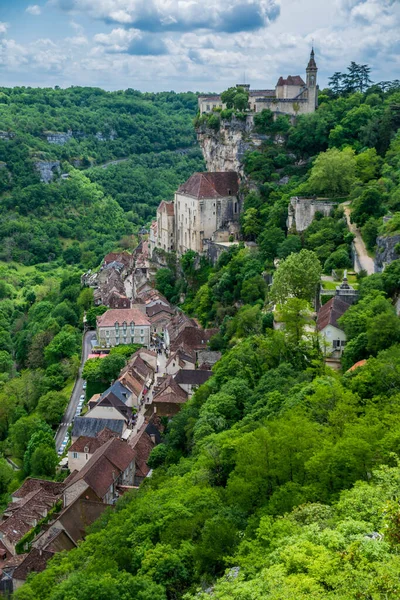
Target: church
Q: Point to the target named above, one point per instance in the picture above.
(291, 96)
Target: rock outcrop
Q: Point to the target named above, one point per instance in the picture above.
(386, 251)
(58, 137)
(47, 169)
(224, 150)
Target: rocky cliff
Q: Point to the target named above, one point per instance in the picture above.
(386, 251)
(224, 149)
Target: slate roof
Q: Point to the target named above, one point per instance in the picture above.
(104, 467)
(330, 312)
(211, 185)
(192, 376)
(118, 390)
(121, 315)
(91, 427)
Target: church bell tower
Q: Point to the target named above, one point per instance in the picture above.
(312, 71)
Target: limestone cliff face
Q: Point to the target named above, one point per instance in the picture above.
(385, 251)
(224, 150)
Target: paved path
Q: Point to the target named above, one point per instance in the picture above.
(76, 392)
(362, 260)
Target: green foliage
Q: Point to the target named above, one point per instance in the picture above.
(297, 276)
(333, 173)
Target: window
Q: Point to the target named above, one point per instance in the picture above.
(141, 332)
(235, 208)
(75, 455)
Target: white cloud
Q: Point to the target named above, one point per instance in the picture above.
(34, 9)
(178, 15)
(3, 27)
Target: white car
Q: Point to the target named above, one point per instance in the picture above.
(84, 385)
(82, 397)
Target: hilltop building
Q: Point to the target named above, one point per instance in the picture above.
(206, 208)
(291, 96)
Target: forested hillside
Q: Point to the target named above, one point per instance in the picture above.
(279, 478)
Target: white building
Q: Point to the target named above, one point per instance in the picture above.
(333, 337)
(123, 326)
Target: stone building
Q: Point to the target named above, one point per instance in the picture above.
(291, 96)
(301, 211)
(207, 207)
(123, 326)
(166, 226)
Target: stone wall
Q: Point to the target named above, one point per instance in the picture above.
(385, 251)
(301, 211)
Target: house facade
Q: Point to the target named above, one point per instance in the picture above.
(122, 326)
(166, 226)
(333, 338)
(291, 95)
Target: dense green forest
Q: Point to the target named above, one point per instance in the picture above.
(279, 478)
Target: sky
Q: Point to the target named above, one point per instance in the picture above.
(198, 45)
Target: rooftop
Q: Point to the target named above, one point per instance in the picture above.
(330, 312)
(122, 315)
(211, 185)
(91, 427)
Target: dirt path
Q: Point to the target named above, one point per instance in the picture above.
(362, 260)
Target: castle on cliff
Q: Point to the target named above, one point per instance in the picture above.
(291, 96)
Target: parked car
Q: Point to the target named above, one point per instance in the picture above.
(84, 385)
(82, 397)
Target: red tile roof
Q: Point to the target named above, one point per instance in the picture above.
(92, 443)
(330, 312)
(356, 365)
(121, 315)
(167, 207)
(211, 185)
(102, 468)
(291, 80)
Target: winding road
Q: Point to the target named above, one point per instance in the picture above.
(362, 260)
(76, 392)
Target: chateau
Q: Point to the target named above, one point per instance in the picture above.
(291, 96)
(206, 209)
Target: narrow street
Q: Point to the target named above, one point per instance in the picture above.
(362, 261)
(77, 391)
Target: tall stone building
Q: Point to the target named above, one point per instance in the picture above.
(291, 96)
(206, 208)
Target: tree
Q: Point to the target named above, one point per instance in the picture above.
(295, 313)
(291, 244)
(297, 276)
(39, 440)
(6, 362)
(333, 172)
(6, 475)
(43, 462)
(85, 299)
(64, 345)
(368, 204)
(92, 313)
(51, 407)
(269, 240)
